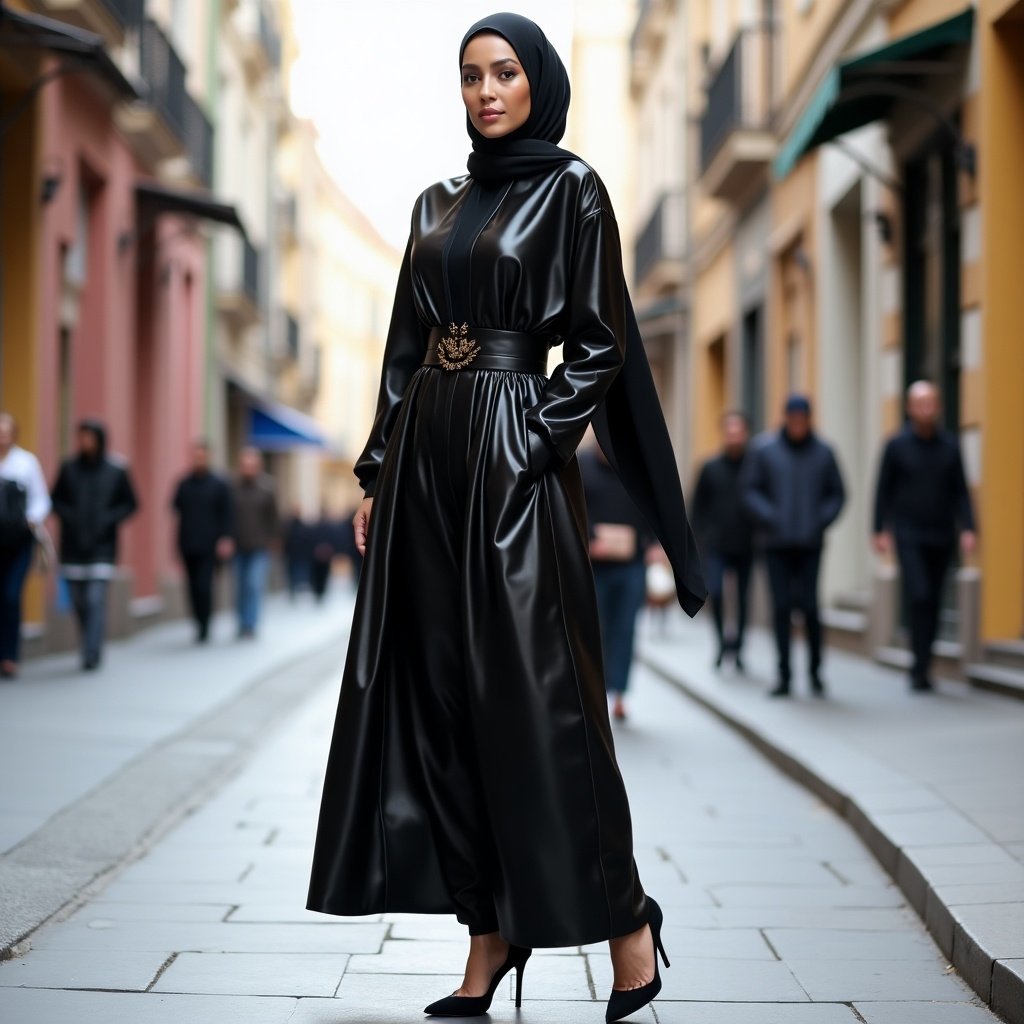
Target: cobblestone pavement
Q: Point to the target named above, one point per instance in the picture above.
(775, 912)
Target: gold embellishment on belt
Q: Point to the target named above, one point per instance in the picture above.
(455, 350)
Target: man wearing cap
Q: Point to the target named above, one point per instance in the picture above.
(792, 488)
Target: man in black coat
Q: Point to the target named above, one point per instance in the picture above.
(92, 496)
(202, 501)
(921, 502)
(724, 531)
(793, 489)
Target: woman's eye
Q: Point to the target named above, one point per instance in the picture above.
(468, 78)
(508, 75)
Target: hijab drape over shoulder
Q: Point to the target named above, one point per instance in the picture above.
(629, 423)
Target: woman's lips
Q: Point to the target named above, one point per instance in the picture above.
(488, 116)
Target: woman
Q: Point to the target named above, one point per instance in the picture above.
(472, 769)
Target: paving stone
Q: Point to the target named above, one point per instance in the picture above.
(253, 974)
(48, 1006)
(1008, 987)
(839, 918)
(753, 1013)
(717, 943)
(101, 913)
(963, 853)
(862, 896)
(281, 912)
(906, 1012)
(832, 944)
(216, 938)
(431, 956)
(86, 969)
(864, 980)
(708, 980)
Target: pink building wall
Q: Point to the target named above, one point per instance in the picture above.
(137, 349)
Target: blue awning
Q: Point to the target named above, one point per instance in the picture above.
(863, 89)
(278, 428)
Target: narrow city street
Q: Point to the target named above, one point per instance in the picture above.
(776, 913)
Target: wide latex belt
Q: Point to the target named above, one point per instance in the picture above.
(480, 348)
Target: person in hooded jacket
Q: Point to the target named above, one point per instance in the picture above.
(472, 767)
(92, 496)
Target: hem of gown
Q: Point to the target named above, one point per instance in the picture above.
(526, 941)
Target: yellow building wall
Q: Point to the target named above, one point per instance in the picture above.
(918, 14)
(802, 35)
(19, 265)
(713, 308)
(1002, 372)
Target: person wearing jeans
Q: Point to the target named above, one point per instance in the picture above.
(22, 477)
(793, 490)
(92, 496)
(257, 528)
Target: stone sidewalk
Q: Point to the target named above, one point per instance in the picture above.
(98, 761)
(934, 784)
(775, 911)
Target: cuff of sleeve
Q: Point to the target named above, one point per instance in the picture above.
(540, 454)
(368, 489)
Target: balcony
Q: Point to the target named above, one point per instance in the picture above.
(239, 285)
(660, 246)
(291, 337)
(650, 31)
(736, 142)
(199, 142)
(111, 19)
(261, 44)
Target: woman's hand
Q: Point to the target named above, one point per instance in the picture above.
(361, 523)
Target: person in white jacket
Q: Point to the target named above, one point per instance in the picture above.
(24, 506)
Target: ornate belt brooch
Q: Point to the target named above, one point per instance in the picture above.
(455, 350)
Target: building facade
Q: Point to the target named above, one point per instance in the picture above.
(850, 231)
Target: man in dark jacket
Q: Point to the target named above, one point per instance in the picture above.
(92, 496)
(793, 489)
(921, 502)
(257, 529)
(725, 532)
(202, 501)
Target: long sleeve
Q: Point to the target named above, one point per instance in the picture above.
(754, 489)
(883, 490)
(403, 353)
(833, 493)
(962, 495)
(593, 347)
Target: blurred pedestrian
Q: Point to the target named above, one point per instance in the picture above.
(793, 489)
(24, 506)
(257, 528)
(202, 501)
(921, 502)
(619, 539)
(92, 496)
(324, 546)
(725, 532)
(298, 552)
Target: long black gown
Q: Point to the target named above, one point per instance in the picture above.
(472, 767)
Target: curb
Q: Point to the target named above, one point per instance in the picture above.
(80, 848)
(998, 981)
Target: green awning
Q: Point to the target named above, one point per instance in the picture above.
(854, 92)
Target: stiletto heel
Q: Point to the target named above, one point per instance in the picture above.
(520, 970)
(622, 1004)
(474, 1006)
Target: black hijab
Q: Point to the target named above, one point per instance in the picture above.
(533, 146)
(628, 423)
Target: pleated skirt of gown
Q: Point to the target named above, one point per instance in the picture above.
(472, 768)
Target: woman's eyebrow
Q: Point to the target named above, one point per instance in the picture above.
(494, 64)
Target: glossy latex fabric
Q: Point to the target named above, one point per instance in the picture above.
(472, 767)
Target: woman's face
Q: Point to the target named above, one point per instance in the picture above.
(494, 86)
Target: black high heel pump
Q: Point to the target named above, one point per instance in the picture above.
(622, 1004)
(474, 1006)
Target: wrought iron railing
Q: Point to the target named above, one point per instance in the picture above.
(740, 92)
(291, 336)
(662, 235)
(199, 141)
(128, 13)
(164, 74)
(251, 259)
